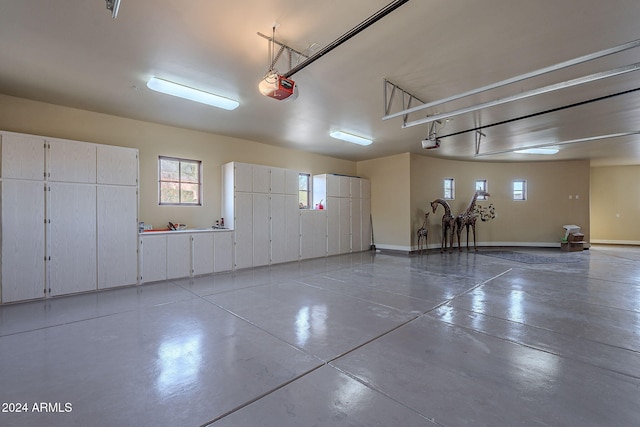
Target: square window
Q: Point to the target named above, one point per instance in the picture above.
(180, 181)
(519, 189)
(449, 192)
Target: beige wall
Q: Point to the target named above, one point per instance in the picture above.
(152, 140)
(615, 204)
(552, 201)
(390, 200)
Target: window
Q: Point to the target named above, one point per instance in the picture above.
(303, 190)
(520, 189)
(481, 185)
(449, 192)
(179, 181)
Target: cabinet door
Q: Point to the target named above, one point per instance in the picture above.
(178, 255)
(261, 179)
(72, 238)
(356, 190)
(117, 165)
(345, 225)
(365, 188)
(243, 177)
(223, 251)
(333, 225)
(278, 229)
(243, 230)
(23, 245)
(345, 186)
(23, 157)
(71, 161)
(292, 182)
(313, 237)
(333, 185)
(261, 253)
(154, 258)
(202, 255)
(117, 236)
(292, 227)
(277, 177)
(356, 225)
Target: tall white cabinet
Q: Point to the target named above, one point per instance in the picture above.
(69, 216)
(260, 203)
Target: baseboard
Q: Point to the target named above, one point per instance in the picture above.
(616, 242)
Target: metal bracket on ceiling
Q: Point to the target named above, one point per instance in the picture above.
(479, 136)
(393, 91)
(291, 51)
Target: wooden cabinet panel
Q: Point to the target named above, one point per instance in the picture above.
(277, 177)
(243, 177)
(345, 225)
(354, 185)
(23, 243)
(356, 225)
(291, 182)
(154, 258)
(117, 236)
(261, 180)
(261, 253)
(333, 225)
(117, 165)
(292, 227)
(23, 157)
(72, 236)
(313, 237)
(202, 256)
(178, 256)
(243, 230)
(71, 161)
(223, 251)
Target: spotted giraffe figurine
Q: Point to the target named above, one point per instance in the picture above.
(423, 233)
(467, 219)
(448, 223)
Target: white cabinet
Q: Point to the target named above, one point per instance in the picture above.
(333, 225)
(178, 255)
(23, 240)
(223, 251)
(262, 204)
(23, 157)
(71, 161)
(313, 236)
(153, 258)
(117, 165)
(356, 225)
(117, 236)
(72, 238)
(202, 253)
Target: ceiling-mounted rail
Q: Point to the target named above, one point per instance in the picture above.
(535, 73)
(348, 35)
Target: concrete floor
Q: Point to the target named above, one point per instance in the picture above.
(359, 340)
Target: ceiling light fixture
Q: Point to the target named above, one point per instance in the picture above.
(350, 138)
(113, 6)
(181, 91)
(549, 151)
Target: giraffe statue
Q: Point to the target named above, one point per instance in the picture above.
(423, 232)
(448, 223)
(467, 219)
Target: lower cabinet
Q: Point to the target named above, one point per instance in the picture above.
(174, 255)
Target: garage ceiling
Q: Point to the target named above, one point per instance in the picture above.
(73, 53)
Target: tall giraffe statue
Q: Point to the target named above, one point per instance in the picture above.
(423, 232)
(448, 223)
(467, 219)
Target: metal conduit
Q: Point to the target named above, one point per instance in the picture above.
(348, 35)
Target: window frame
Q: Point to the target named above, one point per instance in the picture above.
(180, 182)
(307, 190)
(452, 189)
(482, 187)
(523, 191)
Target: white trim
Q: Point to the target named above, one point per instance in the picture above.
(615, 242)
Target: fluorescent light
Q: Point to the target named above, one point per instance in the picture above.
(350, 138)
(539, 150)
(175, 89)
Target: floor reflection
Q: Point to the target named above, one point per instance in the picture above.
(179, 362)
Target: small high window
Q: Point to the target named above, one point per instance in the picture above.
(449, 192)
(481, 185)
(519, 189)
(304, 190)
(179, 181)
